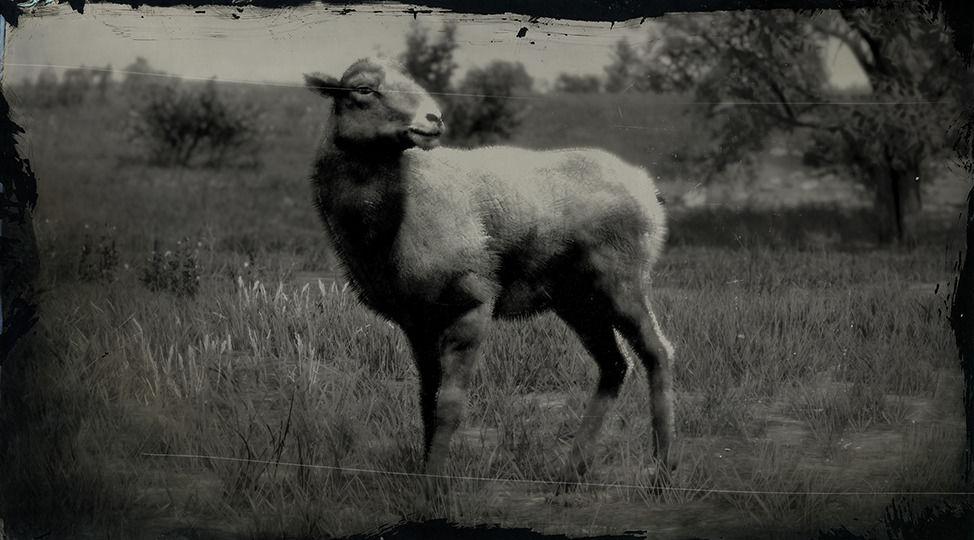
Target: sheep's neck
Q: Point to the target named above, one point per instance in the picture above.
(384, 148)
(362, 198)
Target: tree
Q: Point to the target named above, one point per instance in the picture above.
(622, 73)
(431, 63)
(141, 78)
(490, 105)
(46, 88)
(758, 72)
(481, 109)
(103, 81)
(577, 84)
(183, 126)
(75, 86)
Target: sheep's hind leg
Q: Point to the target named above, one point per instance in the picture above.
(641, 329)
(598, 338)
(445, 361)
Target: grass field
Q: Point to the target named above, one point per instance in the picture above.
(808, 362)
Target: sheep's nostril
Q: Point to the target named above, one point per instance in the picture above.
(433, 118)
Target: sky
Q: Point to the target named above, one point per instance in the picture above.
(254, 45)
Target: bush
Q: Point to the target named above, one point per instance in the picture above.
(176, 271)
(489, 106)
(185, 126)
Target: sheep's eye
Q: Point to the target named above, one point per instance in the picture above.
(364, 90)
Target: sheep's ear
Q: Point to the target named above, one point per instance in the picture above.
(325, 85)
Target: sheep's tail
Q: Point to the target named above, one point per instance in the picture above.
(655, 237)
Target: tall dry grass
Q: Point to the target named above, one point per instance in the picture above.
(801, 367)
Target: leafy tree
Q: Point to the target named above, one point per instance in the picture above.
(75, 86)
(490, 105)
(183, 126)
(103, 81)
(485, 106)
(577, 84)
(139, 67)
(141, 78)
(431, 62)
(623, 73)
(45, 88)
(758, 72)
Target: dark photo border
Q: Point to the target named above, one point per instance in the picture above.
(18, 198)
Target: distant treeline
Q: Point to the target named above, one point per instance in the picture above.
(75, 86)
(746, 78)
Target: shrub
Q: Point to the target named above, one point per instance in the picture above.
(489, 106)
(184, 126)
(98, 262)
(176, 271)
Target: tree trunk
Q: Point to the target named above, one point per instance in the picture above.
(962, 319)
(897, 202)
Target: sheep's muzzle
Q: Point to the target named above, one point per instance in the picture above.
(424, 138)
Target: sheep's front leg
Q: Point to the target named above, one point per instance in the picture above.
(445, 360)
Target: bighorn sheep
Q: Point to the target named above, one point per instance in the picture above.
(441, 241)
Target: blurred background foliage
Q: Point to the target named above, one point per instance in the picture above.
(487, 106)
(700, 102)
(755, 74)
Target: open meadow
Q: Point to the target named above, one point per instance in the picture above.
(198, 312)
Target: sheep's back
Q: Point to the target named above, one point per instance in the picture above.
(549, 199)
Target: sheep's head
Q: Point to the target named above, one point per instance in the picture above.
(376, 104)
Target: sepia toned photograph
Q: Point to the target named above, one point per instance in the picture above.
(392, 271)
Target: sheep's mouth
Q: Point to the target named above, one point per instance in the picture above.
(423, 133)
(424, 139)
